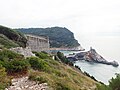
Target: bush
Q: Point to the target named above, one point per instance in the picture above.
(4, 80)
(42, 55)
(12, 61)
(16, 66)
(38, 64)
(114, 84)
(103, 87)
(9, 55)
(64, 59)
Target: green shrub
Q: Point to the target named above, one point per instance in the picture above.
(103, 87)
(38, 64)
(42, 55)
(114, 84)
(64, 59)
(4, 79)
(9, 55)
(12, 61)
(16, 66)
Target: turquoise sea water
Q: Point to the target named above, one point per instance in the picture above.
(109, 48)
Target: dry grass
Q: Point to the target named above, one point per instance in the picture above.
(61, 76)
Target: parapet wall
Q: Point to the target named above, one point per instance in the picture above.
(38, 43)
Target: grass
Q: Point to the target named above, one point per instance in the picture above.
(60, 76)
(43, 69)
(4, 79)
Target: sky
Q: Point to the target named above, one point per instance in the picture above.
(85, 18)
(88, 15)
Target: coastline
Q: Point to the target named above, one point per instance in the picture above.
(95, 69)
(91, 56)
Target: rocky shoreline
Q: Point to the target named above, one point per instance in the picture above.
(91, 56)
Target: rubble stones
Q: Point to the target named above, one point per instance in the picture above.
(25, 84)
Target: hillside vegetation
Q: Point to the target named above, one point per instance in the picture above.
(43, 69)
(58, 73)
(114, 84)
(11, 38)
(59, 37)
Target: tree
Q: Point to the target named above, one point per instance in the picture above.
(114, 83)
(64, 59)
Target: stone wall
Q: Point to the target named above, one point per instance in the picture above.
(38, 43)
(24, 51)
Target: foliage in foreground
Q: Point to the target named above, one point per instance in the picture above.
(4, 79)
(42, 69)
(38, 64)
(59, 76)
(114, 84)
(10, 63)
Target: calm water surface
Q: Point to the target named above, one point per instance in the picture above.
(109, 48)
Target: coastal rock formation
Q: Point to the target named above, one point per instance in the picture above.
(25, 84)
(92, 56)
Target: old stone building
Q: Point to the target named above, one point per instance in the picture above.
(38, 43)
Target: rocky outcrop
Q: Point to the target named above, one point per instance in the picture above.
(24, 51)
(25, 84)
(92, 56)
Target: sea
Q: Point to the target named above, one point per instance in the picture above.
(109, 48)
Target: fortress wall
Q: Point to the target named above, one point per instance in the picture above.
(38, 43)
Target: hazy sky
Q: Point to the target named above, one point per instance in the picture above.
(94, 22)
(95, 17)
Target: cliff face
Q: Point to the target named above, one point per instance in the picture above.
(59, 37)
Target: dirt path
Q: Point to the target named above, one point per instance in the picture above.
(25, 84)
